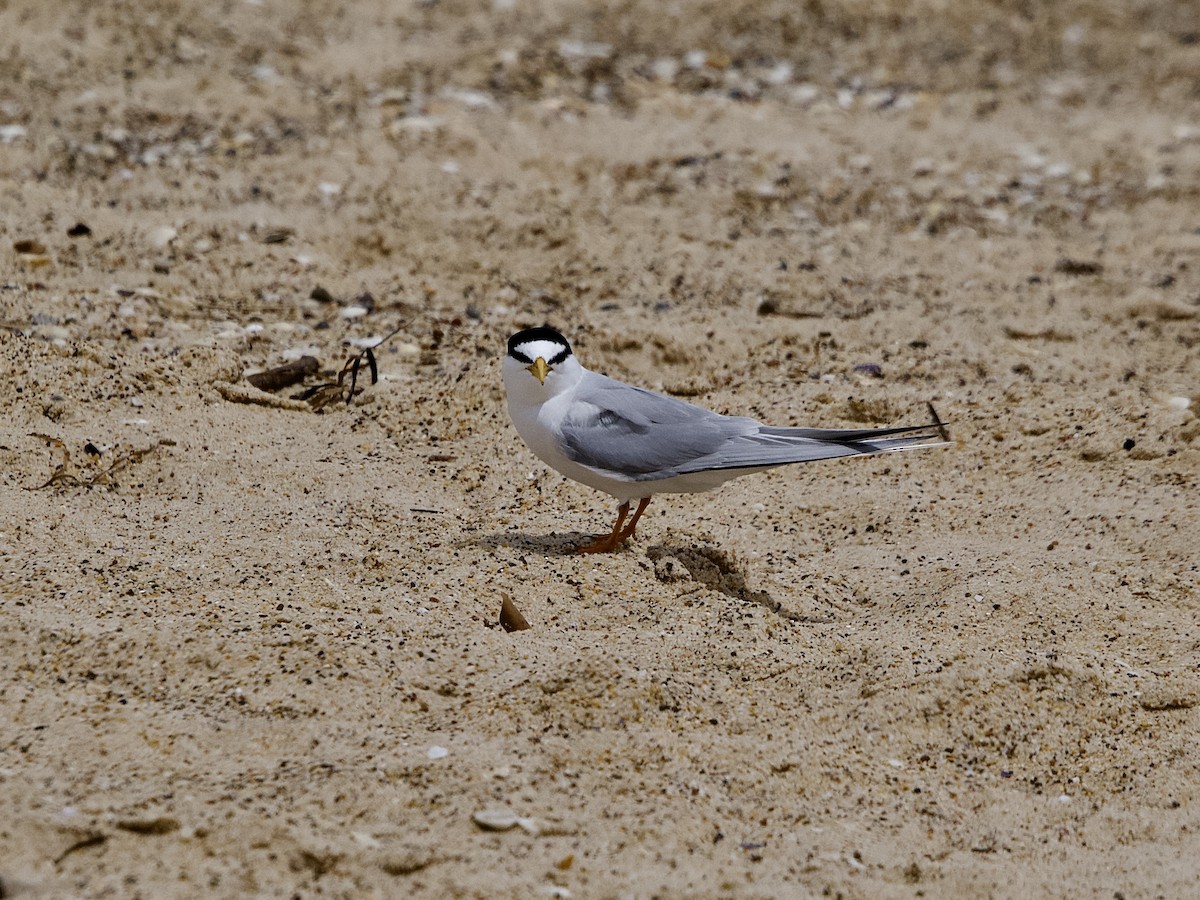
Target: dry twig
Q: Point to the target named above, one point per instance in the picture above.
(66, 474)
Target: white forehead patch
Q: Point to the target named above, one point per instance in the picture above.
(547, 350)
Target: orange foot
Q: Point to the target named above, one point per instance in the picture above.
(618, 536)
(604, 544)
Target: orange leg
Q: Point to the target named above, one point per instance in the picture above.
(637, 514)
(619, 535)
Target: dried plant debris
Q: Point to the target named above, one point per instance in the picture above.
(101, 468)
(1021, 333)
(868, 411)
(510, 617)
(153, 826)
(406, 859)
(1161, 310)
(32, 253)
(322, 395)
(278, 235)
(92, 839)
(280, 377)
(236, 393)
(314, 398)
(1068, 266)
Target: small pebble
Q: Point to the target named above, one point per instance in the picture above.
(665, 68)
(569, 49)
(781, 74)
(162, 237)
(471, 99)
(293, 353)
(805, 94)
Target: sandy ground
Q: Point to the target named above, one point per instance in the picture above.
(251, 650)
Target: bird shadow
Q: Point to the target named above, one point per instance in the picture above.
(706, 565)
(557, 544)
(717, 570)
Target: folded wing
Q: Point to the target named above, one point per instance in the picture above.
(626, 432)
(636, 435)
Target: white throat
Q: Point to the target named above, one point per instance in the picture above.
(525, 392)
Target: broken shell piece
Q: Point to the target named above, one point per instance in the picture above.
(510, 617)
(502, 818)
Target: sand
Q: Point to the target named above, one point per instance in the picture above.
(249, 648)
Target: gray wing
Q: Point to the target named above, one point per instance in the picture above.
(637, 434)
(642, 436)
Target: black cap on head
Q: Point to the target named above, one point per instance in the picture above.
(542, 333)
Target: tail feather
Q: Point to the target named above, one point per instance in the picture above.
(773, 446)
(912, 433)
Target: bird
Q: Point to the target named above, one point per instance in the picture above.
(633, 443)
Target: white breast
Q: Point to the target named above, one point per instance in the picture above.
(537, 412)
